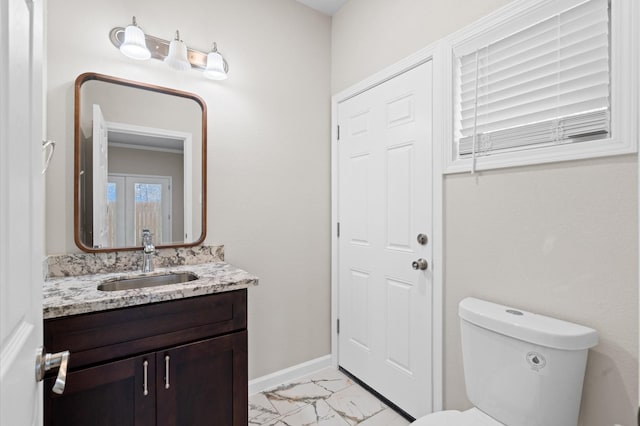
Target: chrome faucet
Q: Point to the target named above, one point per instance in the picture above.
(148, 250)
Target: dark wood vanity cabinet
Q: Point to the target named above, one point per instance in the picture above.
(178, 363)
(108, 394)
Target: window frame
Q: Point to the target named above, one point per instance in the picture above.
(624, 84)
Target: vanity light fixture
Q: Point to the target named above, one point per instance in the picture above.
(177, 57)
(134, 43)
(216, 69)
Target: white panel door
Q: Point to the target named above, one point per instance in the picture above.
(21, 204)
(384, 202)
(100, 179)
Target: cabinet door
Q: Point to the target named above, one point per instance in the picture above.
(204, 383)
(107, 395)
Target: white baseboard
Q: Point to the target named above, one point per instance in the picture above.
(279, 377)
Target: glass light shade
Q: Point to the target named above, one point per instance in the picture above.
(177, 58)
(134, 45)
(215, 67)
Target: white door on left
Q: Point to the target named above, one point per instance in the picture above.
(100, 179)
(21, 205)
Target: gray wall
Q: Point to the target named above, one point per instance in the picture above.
(558, 239)
(268, 146)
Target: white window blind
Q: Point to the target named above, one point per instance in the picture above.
(547, 84)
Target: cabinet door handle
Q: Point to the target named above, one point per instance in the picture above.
(145, 388)
(166, 371)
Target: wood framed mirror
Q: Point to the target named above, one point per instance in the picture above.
(139, 163)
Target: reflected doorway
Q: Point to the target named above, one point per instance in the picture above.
(141, 178)
(137, 202)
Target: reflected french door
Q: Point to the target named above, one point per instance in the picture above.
(136, 202)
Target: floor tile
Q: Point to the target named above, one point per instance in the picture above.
(317, 413)
(331, 379)
(293, 396)
(355, 404)
(327, 397)
(284, 405)
(261, 411)
(386, 417)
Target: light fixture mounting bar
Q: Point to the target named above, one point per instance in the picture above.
(159, 49)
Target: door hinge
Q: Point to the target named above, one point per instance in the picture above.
(338, 229)
(338, 325)
(338, 132)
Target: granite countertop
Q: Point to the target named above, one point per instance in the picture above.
(63, 296)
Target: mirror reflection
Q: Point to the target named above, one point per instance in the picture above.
(139, 164)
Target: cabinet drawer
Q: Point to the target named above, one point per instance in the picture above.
(108, 335)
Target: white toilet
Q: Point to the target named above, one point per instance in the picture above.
(520, 369)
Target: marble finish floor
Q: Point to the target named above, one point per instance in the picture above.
(327, 397)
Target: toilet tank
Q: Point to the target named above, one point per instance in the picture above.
(521, 368)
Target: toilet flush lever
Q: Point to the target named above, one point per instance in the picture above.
(420, 264)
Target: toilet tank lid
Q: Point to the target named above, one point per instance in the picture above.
(538, 329)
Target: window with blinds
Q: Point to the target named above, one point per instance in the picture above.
(544, 85)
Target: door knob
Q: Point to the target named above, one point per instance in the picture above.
(46, 361)
(422, 239)
(420, 264)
